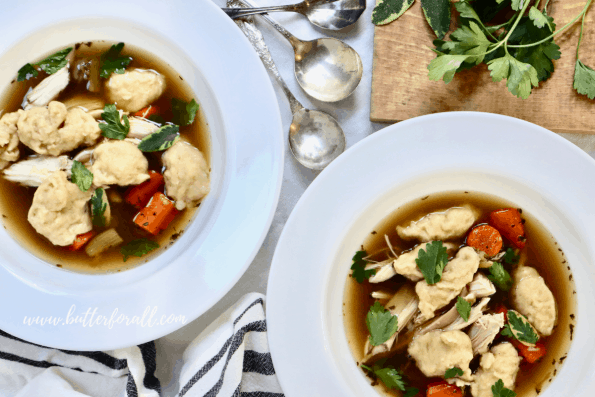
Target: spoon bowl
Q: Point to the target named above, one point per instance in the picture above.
(315, 138)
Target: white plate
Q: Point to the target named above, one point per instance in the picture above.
(541, 172)
(200, 42)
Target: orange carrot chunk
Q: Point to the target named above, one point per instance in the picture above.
(157, 215)
(509, 223)
(147, 112)
(81, 240)
(443, 389)
(140, 195)
(531, 354)
(485, 238)
(502, 309)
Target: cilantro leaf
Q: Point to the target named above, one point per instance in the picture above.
(98, 207)
(112, 62)
(463, 307)
(539, 18)
(520, 77)
(452, 372)
(55, 62)
(113, 128)
(387, 11)
(381, 324)
(498, 390)
(27, 72)
(359, 267)
(138, 248)
(521, 329)
(81, 176)
(411, 392)
(510, 257)
(437, 13)
(584, 79)
(391, 378)
(162, 139)
(507, 332)
(183, 112)
(432, 261)
(499, 276)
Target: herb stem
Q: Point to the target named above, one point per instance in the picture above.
(516, 22)
(580, 37)
(547, 2)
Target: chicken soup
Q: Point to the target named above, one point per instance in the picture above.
(459, 294)
(105, 156)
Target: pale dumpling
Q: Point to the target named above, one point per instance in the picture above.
(59, 210)
(502, 362)
(119, 163)
(135, 89)
(532, 298)
(9, 139)
(452, 223)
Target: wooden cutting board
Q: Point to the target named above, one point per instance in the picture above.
(401, 88)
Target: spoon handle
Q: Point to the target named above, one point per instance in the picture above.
(234, 13)
(292, 39)
(257, 40)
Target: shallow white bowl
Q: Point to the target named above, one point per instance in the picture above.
(205, 47)
(544, 174)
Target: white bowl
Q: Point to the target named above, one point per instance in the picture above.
(205, 47)
(544, 174)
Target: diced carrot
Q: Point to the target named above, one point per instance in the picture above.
(81, 240)
(508, 221)
(147, 112)
(502, 309)
(485, 238)
(531, 354)
(158, 213)
(140, 195)
(443, 389)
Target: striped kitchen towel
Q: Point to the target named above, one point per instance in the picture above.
(229, 358)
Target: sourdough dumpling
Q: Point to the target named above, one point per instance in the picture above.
(39, 128)
(119, 163)
(437, 351)
(135, 89)
(533, 299)
(457, 273)
(502, 362)
(59, 210)
(9, 139)
(452, 223)
(186, 174)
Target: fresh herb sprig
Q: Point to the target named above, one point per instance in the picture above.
(381, 324)
(392, 378)
(453, 372)
(113, 127)
(431, 261)
(498, 390)
(50, 65)
(359, 272)
(464, 308)
(81, 176)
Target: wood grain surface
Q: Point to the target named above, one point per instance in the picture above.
(401, 88)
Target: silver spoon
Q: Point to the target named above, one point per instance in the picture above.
(315, 137)
(327, 14)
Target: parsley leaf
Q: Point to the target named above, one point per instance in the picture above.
(387, 11)
(432, 261)
(452, 372)
(463, 307)
(437, 13)
(27, 72)
(411, 392)
(466, 10)
(138, 248)
(507, 332)
(113, 128)
(444, 66)
(183, 112)
(510, 257)
(499, 276)
(162, 139)
(98, 207)
(521, 329)
(391, 378)
(112, 62)
(55, 62)
(538, 18)
(81, 176)
(381, 324)
(359, 267)
(517, 4)
(584, 79)
(520, 77)
(498, 390)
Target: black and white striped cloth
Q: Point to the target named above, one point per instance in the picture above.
(229, 358)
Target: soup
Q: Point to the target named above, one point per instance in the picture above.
(468, 321)
(145, 143)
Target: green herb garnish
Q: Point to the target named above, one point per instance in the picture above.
(584, 76)
(183, 112)
(507, 332)
(432, 261)
(138, 248)
(113, 128)
(391, 377)
(452, 372)
(27, 72)
(50, 65)
(498, 390)
(510, 257)
(81, 176)
(98, 207)
(381, 324)
(463, 307)
(112, 62)
(521, 328)
(162, 139)
(500, 277)
(359, 267)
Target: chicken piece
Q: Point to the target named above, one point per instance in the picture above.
(9, 139)
(39, 129)
(186, 174)
(48, 89)
(532, 298)
(384, 271)
(480, 287)
(135, 89)
(452, 320)
(484, 331)
(118, 162)
(452, 223)
(437, 351)
(59, 210)
(502, 362)
(141, 127)
(456, 275)
(36, 169)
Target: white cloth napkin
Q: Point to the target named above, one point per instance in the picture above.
(229, 358)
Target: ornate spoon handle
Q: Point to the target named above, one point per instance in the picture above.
(234, 13)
